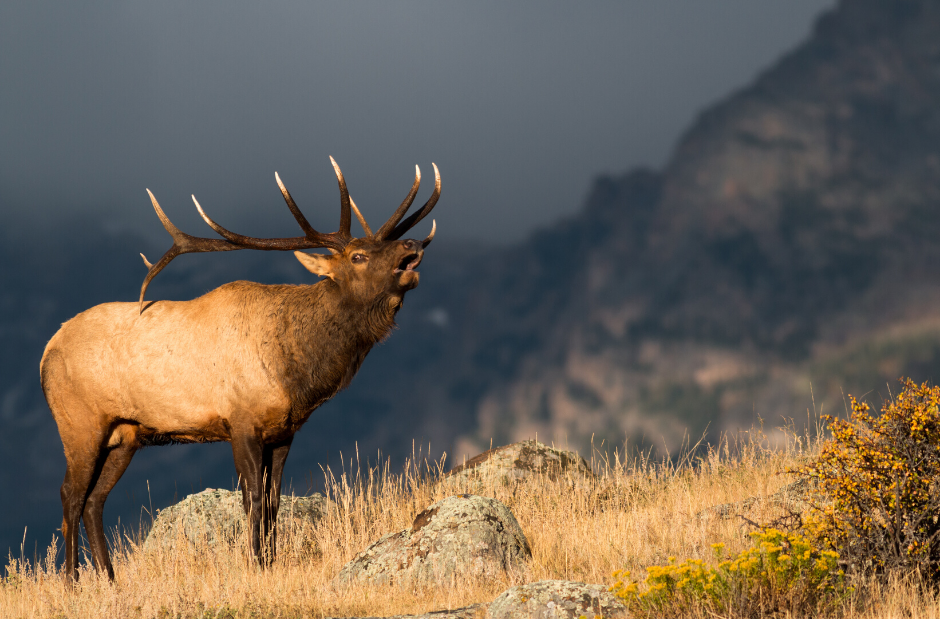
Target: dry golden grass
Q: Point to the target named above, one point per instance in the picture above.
(638, 513)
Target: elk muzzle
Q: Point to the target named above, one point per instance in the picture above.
(412, 253)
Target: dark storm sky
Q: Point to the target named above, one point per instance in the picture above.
(520, 104)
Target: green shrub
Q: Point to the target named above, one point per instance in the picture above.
(779, 572)
(878, 485)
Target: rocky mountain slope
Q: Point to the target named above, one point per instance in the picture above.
(784, 256)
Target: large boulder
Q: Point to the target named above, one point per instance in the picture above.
(459, 535)
(519, 462)
(216, 515)
(556, 599)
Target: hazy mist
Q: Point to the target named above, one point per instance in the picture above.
(519, 104)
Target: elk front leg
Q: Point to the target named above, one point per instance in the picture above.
(274, 456)
(248, 451)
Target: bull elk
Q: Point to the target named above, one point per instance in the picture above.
(245, 363)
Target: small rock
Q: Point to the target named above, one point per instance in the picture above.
(521, 461)
(476, 611)
(726, 511)
(214, 514)
(795, 497)
(457, 536)
(556, 599)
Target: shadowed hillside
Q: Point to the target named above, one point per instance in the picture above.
(789, 241)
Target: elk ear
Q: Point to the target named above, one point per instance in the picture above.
(318, 264)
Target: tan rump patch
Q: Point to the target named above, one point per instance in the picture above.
(122, 435)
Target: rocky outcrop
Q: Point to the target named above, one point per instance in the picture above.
(556, 599)
(457, 536)
(216, 515)
(521, 461)
(795, 497)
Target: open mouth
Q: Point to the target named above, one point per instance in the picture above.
(408, 263)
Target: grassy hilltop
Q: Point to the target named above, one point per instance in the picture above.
(639, 513)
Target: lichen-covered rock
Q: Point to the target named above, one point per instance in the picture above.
(521, 461)
(556, 599)
(457, 536)
(215, 515)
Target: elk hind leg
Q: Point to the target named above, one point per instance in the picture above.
(115, 463)
(81, 470)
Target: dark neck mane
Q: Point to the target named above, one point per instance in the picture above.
(323, 339)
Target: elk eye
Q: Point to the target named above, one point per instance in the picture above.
(357, 258)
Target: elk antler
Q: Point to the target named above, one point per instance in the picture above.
(362, 220)
(391, 230)
(184, 243)
(402, 209)
(344, 202)
(418, 215)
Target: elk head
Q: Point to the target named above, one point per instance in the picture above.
(369, 269)
(375, 266)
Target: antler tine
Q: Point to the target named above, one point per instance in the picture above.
(177, 234)
(182, 244)
(171, 253)
(228, 235)
(430, 236)
(301, 220)
(421, 213)
(362, 220)
(345, 219)
(389, 225)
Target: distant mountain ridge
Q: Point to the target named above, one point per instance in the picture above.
(796, 222)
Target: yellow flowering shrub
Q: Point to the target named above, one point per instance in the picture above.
(878, 480)
(779, 572)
